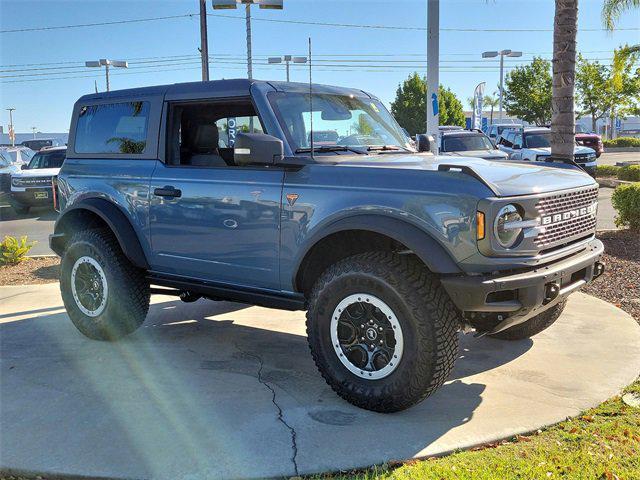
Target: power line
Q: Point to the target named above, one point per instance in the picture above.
(296, 22)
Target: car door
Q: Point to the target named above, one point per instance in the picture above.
(505, 143)
(218, 223)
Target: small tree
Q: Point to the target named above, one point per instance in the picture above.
(451, 109)
(409, 106)
(528, 92)
(491, 101)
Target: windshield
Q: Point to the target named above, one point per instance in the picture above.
(343, 120)
(465, 143)
(537, 140)
(47, 160)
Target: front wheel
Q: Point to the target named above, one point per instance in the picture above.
(106, 297)
(21, 209)
(382, 331)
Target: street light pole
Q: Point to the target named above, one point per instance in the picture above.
(502, 53)
(104, 62)
(204, 41)
(12, 133)
(247, 10)
(433, 71)
(287, 59)
(233, 4)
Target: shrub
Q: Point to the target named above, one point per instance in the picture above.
(607, 171)
(622, 142)
(630, 173)
(13, 251)
(626, 201)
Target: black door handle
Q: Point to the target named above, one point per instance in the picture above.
(167, 191)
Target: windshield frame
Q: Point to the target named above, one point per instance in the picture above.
(390, 124)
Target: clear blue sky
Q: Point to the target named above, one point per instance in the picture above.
(165, 51)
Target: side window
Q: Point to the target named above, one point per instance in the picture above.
(230, 126)
(202, 134)
(113, 128)
(517, 139)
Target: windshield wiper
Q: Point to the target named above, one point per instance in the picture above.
(331, 148)
(387, 148)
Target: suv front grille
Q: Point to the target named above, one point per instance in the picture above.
(34, 182)
(570, 228)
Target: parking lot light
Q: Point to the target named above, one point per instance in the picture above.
(233, 4)
(502, 54)
(287, 59)
(106, 63)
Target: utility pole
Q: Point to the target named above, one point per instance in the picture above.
(33, 129)
(247, 14)
(204, 41)
(433, 71)
(12, 133)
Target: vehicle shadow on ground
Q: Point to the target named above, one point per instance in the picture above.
(42, 214)
(191, 391)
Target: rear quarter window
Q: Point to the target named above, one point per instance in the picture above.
(113, 128)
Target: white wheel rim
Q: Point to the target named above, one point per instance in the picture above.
(91, 294)
(373, 332)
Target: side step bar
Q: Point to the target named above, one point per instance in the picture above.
(215, 291)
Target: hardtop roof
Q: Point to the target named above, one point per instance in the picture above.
(234, 87)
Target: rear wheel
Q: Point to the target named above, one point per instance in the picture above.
(382, 331)
(105, 296)
(533, 326)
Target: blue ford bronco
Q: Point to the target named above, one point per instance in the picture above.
(215, 190)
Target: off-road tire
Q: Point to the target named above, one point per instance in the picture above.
(128, 291)
(533, 326)
(428, 319)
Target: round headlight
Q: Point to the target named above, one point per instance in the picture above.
(506, 233)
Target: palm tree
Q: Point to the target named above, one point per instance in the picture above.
(613, 9)
(565, 26)
(491, 101)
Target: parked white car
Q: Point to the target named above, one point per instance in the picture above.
(7, 167)
(534, 145)
(32, 185)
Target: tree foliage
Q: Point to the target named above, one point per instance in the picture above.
(528, 93)
(609, 90)
(612, 10)
(409, 106)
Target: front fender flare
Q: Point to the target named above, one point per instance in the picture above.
(431, 252)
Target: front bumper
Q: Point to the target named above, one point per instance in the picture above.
(519, 296)
(33, 197)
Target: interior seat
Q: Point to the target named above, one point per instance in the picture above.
(204, 147)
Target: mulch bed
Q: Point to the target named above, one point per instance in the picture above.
(620, 284)
(31, 271)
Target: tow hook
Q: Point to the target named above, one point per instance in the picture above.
(598, 269)
(551, 291)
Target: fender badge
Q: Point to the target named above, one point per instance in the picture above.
(291, 198)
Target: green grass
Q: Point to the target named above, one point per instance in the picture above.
(602, 443)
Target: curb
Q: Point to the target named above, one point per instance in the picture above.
(621, 149)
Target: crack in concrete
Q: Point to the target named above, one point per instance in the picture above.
(292, 431)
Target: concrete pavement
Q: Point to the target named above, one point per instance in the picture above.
(221, 390)
(611, 158)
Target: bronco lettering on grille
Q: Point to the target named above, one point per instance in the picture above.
(569, 214)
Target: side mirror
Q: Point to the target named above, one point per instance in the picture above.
(516, 146)
(423, 142)
(24, 166)
(257, 149)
